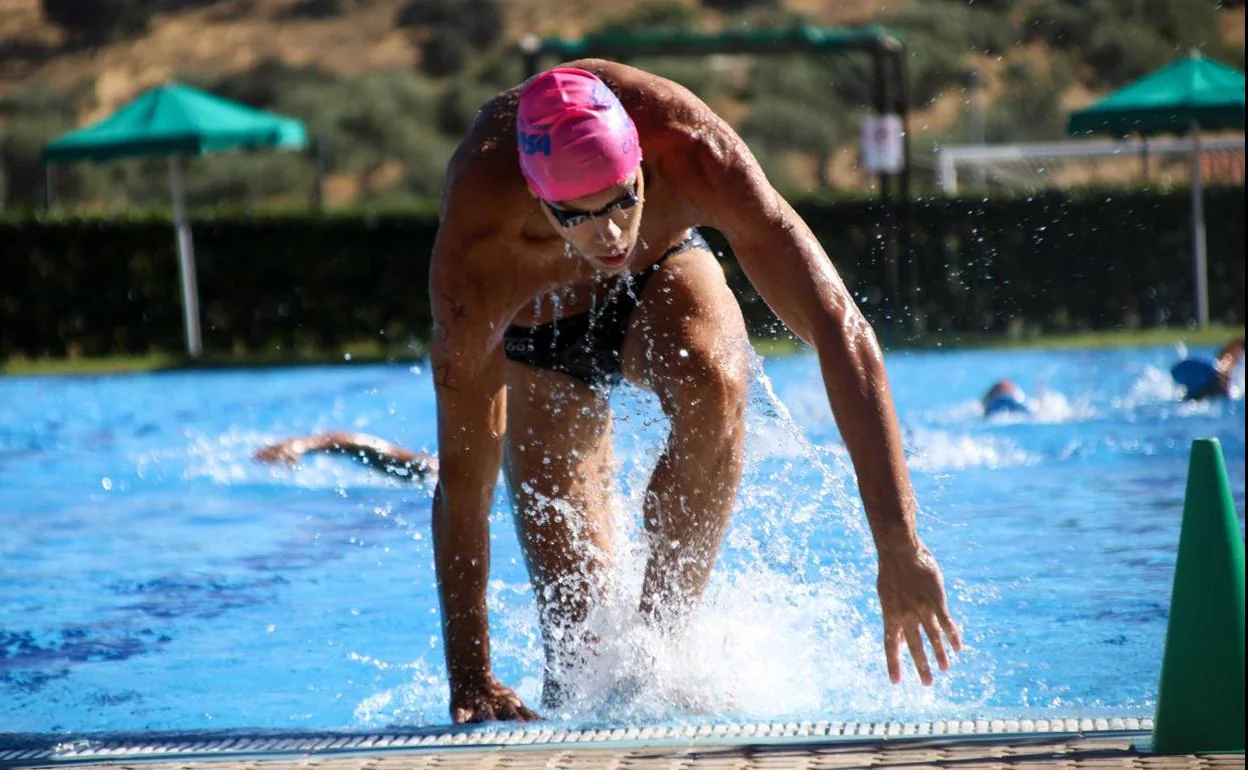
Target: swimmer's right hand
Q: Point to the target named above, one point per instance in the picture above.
(486, 701)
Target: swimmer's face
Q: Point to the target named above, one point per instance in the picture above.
(602, 227)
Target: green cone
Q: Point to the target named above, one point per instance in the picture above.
(1200, 704)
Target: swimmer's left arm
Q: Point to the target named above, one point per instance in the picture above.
(786, 263)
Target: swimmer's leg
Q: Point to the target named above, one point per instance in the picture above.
(687, 343)
(559, 468)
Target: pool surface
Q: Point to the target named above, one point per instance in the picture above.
(153, 577)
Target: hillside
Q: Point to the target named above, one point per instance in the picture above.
(354, 67)
(232, 36)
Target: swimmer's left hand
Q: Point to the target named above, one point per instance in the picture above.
(912, 601)
(285, 453)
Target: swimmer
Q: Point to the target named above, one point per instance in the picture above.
(371, 451)
(1005, 397)
(568, 259)
(1202, 378)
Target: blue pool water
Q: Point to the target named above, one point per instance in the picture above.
(152, 577)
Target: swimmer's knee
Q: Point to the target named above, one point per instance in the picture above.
(713, 391)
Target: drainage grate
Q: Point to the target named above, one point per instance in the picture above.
(157, 746)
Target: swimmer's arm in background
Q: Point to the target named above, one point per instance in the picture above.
(1230, 356)
(375, 453)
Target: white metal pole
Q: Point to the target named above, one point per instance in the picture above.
(979, 176)
(186, 258)
(947, 171)
(1199, 243)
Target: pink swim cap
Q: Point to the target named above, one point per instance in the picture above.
(574, 136)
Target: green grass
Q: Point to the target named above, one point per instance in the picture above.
(1115, 338)
(363, 353)
(370, 353)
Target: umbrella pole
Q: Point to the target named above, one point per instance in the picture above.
(49, 179)
(1199, 243)
(186, 258)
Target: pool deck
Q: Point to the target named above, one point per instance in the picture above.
(690, 750)
(1098, 753)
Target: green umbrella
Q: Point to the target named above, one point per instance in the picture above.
(1188, 96)
(176, 120)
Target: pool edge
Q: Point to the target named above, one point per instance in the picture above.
(44, 751)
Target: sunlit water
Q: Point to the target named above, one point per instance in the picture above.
(153, 577)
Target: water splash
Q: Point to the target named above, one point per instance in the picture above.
(938, 450)
(788, 623)
(1050, 406)
(1153, 386)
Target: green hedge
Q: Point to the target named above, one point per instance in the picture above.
(1052, 262)
(111, 286)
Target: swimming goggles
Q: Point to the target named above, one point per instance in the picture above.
(569, 219)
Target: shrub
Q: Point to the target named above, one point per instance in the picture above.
(457, 29)
(262, 86)
(499, 70)
(690, 72)
(938, 39)
(793, 108)
(990, 32)
(316, 9)
(735, 6)
(98, 21)
(789, 125)
(1062, 25)
(1000, 6)
(426, 13)
(1029, 110)
(446, 53)
(1120, 40)
(481, 22)
(654, 15)
(1119, 54)
(458, 105)
(852, 78)
(29, 119)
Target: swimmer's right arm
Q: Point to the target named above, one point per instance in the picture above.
(1230, 355)
(373, 452)
(468, 362)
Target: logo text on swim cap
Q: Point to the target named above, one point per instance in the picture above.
(534, 144)
(601, 96)
(629, 142)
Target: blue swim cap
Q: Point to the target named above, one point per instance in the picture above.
(1007, 403)
(1194, 374)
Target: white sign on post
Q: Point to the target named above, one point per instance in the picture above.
(883, 150)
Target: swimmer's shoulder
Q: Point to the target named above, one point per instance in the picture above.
(669, 117)
(484, 196)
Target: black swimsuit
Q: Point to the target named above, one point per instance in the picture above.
(587, 345)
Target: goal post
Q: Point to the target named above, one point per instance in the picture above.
(1036, 165)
